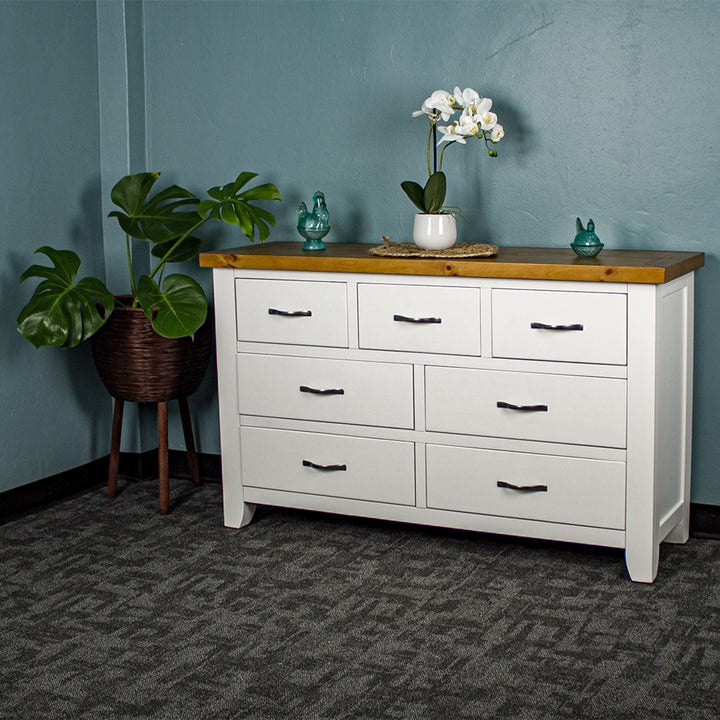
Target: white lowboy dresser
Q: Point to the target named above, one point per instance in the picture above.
(533, 393)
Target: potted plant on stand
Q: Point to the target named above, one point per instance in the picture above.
(435, 227)
(152, 344)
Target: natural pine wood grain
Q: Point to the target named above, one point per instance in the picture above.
(625, 266)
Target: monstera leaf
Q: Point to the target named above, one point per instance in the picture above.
(167, 216)
(61, 311)
(178, 251)
(232, 206)
(178, 309)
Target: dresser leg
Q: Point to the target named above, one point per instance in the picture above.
(238, 514)
(681, 532)
(642, 562)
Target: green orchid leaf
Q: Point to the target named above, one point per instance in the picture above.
(186, 250)
(168, 215)
(61, 311)
(177, 310)
(434, 193)
(415, 192)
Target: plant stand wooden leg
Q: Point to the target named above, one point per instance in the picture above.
(189, 441)
(115, 448)
(163, 470)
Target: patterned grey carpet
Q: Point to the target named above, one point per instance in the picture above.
(110, 611)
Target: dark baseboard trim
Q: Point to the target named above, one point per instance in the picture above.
(133, 466)
(704, 519)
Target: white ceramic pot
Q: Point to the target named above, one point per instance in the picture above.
(434, 232)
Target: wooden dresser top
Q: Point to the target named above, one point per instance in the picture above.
(534, 263)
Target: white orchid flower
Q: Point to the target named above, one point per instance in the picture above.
(497, 133)
(467, 126)
(451, 133)
(471, 101)
(441, 101)
(488, 120)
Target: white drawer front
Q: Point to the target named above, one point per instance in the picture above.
(558, 408)
(292, 312)
(418, 318)
(576, 491)
(335, 465)
(342, 391)
(579, 326)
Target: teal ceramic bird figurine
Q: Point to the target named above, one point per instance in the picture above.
(586, 242)
(315, 225)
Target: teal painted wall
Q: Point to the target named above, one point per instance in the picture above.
(609, 110)
(54, 411)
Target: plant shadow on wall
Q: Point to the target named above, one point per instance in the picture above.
(476, 180)
(65, 311)
(434, 227)
(136, 336)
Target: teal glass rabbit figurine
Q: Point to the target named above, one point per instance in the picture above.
(586, 242)
(315, 225)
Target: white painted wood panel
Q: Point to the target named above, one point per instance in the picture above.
(343, 391)
(555, 489)
(579, 326)
(613, 446)
(419, 318)
(292, 312)
(582, 410)
(333, 465)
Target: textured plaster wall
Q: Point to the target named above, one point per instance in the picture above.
(55, 413)
(610, 112)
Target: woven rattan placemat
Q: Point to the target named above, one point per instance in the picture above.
(408, 249)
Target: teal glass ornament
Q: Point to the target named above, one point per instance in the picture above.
(315, 225)
(586, 242)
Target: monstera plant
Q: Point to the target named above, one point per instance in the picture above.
(65, 310)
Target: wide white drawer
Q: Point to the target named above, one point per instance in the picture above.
(419, 318)
(528, 406)
(342, 391)
(292, 312)
(563, 326)
(525, 485)
(335, 465)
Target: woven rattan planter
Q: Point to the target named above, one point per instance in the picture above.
(138, 365)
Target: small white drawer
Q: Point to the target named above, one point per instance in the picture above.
(419, 318)
(334, 465)
(342, 391)
(569, 490)
(560, 325)
(292, 312)
(527, 406)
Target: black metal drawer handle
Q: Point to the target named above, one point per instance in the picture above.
(290, 313)
(522, 408)
(426, 320)
(543, 326)
(318, 391)
(308, 463)
(522, 488)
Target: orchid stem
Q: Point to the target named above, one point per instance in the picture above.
(430, 139)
